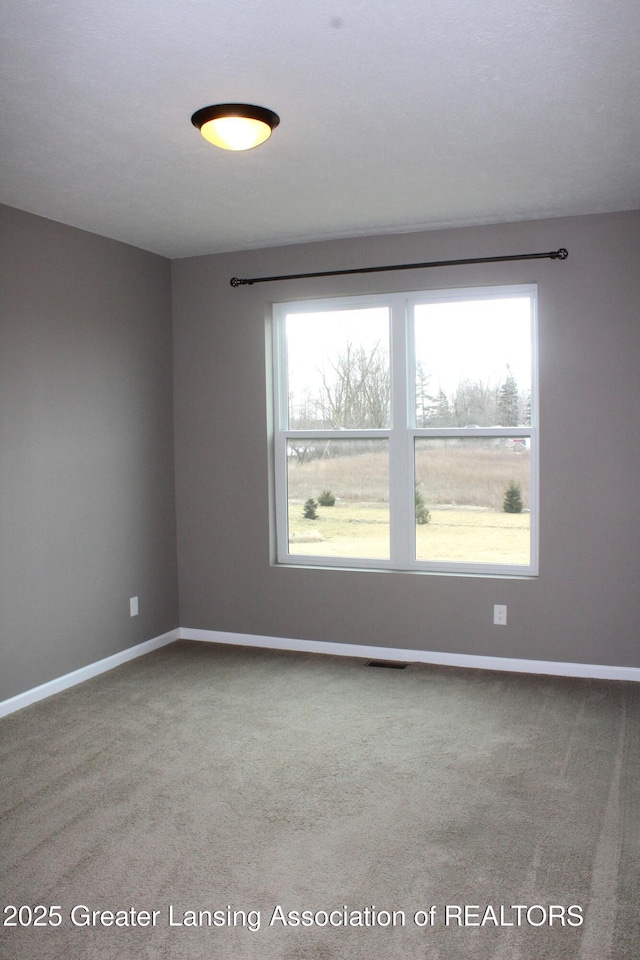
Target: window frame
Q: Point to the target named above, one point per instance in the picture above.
(402, 432)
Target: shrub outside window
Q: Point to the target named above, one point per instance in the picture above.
(405, 431)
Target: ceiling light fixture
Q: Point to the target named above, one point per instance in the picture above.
(235, 126)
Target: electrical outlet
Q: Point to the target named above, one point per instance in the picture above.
(500, 614)
(133, 607)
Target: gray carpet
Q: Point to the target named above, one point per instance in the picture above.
(203, 778)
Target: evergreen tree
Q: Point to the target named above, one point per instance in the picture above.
(440, 415)
(509, 402)
(512, 498)
(424, 400)
(423, 515)
(310, 509)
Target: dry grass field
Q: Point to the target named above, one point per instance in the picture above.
(463, 486)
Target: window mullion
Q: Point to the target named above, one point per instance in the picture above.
(400, 471)
(280, 383)
(281, 494)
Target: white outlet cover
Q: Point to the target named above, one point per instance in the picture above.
(500, 614)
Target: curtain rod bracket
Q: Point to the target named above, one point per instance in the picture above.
(560, 254)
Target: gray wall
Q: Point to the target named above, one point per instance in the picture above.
(585, 605)
(86, 451)
(87, 505)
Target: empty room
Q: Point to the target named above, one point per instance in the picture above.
(319, 460)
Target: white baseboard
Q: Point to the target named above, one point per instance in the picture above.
(84, 673)
(509, 664)
(548, 667)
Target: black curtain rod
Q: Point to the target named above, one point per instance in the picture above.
(560, 254)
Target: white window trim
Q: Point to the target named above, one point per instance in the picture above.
(401, 435)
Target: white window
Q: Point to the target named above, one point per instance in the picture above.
(406, 431)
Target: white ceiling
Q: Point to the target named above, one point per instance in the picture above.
(395, 115)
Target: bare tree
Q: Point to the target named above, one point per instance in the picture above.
(356, 389)
(304, 415)
(474, 402)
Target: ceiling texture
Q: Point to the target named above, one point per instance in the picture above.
(396, 115)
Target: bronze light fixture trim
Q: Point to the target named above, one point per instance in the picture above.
(235, 126)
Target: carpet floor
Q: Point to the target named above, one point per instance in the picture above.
(224, 803)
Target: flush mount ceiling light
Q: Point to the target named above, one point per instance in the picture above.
(235, 126)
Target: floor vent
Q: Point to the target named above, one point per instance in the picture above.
(389, 664)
